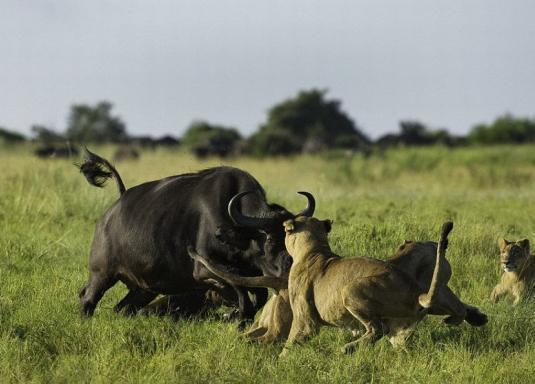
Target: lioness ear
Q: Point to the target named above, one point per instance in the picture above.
(328, 225)
(502, 243)
(524, 244)
(289, 226)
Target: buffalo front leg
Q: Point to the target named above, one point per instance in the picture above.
(260, 297)
(246, 309)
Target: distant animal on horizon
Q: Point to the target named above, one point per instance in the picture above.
(518, 278)
(125, 153)
(142, 239)
(58, 152)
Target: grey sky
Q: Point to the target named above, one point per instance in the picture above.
(164, 63)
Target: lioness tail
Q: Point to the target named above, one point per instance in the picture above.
(426, 300)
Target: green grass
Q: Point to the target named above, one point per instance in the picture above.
(47, 217)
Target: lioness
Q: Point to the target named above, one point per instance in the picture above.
(325, 289)
(518, 278)
(274, 322)
(416, 258)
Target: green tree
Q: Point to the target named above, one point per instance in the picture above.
(211, 139)
(10, 136)
(310, 115)
(95, 124)
(505, 129)
(46, 135)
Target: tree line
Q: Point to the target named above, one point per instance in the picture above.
(309, 122)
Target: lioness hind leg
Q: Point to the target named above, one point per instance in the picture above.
(270, 337)
(255, 332)
(400, 330)
(475, 317)
(375, 329)
(449, 304)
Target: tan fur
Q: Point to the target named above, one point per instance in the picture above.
(325, 289)
(417, 259)
(518, 278)
(274, 321)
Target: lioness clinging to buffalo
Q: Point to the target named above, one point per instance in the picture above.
(325, 289)
(518, 264)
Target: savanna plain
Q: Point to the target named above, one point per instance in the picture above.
(48, 213)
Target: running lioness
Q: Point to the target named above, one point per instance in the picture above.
(325, 289)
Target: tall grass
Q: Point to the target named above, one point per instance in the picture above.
(47, 217)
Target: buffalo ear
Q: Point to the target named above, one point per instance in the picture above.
(328, 225)
(525, 245)
(502, 243)
(289, 226)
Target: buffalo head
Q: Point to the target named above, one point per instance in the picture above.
(274, 259)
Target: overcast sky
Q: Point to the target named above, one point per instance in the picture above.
(448, 63)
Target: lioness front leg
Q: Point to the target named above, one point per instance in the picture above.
(303, 326)
(497, 293)
(518, 293)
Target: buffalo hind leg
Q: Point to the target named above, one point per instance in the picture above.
(135, 299)
(93, 291)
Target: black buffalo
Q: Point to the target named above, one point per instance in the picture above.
(52, 151)
(142, 239)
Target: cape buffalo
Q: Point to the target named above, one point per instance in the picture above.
(142, 239)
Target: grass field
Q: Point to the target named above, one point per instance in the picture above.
(47, 217)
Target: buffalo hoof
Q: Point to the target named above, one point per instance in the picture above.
(243, 324)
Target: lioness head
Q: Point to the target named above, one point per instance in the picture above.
(513, 254)
(303, 234)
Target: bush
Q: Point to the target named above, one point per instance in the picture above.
(505, 129)
(273, 142)
(95, 124)
(307, 118)
(206, 139)
(46, 135)
(10, 136)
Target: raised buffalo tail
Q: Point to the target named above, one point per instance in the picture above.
(276, 283)
(440, 277)
(98, 170)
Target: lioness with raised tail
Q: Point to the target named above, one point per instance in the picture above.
(518, 265)
(415, 258)
(325, 289)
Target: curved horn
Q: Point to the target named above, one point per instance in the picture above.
(239, 219)
(311, 205)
